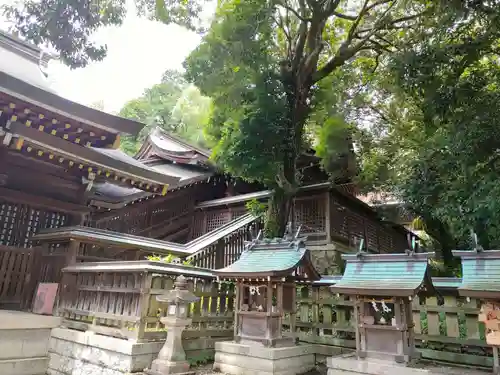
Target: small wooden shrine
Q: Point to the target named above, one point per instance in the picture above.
(383, 286)
(265, 277)
(481, 280)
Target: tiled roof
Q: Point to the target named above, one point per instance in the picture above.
(275, 257)
(384, 274)
(480, 273)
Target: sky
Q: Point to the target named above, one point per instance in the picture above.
(139, 52)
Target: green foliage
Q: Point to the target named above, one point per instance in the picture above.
(255, 207)
(168, 259)
(173, 105)
(270, 67)
(249, 109)
(434, 140)
(334, 144)
(68, 25)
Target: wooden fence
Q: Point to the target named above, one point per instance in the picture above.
(119, 299)
(227, 250)
(446, 327)
(17, 281)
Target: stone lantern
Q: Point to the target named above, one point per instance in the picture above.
(172, 358)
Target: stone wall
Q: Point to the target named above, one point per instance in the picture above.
(85, 353)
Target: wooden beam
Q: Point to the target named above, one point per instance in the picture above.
(45, 203)
(91, 156)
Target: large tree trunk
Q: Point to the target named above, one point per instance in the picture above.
(278, 213)
(281, 203)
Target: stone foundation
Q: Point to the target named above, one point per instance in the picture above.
(85, 353)
(24, 342)
(350, 365)
(239, 359)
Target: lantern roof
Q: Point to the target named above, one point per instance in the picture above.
(179, 294)
(395, 275)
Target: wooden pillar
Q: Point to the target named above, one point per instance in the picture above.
(219, 254)
(327, 218)
(496, 365)
(237, 305)
(72, 252)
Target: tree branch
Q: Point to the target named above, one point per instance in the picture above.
(344, 16)
(295, 13)
(301, 39)
(376, 4)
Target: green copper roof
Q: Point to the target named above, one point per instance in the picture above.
(271, 258)
(384, 274)
(480, 273)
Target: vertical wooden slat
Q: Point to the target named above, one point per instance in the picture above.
(451, 318)
(432, 317)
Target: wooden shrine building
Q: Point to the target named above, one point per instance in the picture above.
(52, 152)
(69, 194)
(265, 277)
(382, 287)
(481, 280)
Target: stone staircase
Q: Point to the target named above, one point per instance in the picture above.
(24, 342)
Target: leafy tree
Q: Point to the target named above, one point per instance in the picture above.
(67, 25)
(270, 68)
(191, 114)
(173, 105)
(438, 124)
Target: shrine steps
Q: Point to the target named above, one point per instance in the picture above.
(24, 342)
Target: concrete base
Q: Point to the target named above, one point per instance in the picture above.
(239, 359)
(84, 353)
(24, 342)
(351, 365)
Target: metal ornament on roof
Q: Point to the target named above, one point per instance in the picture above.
(412, 245)
(475, 241)
(361, 250)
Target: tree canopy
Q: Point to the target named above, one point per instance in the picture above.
(68, 25)
(273, 69)
(173, 105)
(434, 140)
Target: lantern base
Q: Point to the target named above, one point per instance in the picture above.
(160, 367)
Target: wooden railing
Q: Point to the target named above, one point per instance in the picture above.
(119, 299)
(324, 217)
(228, 249)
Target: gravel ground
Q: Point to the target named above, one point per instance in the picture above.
(207, 370)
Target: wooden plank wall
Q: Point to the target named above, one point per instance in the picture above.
(17, 278)
(20, 263)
